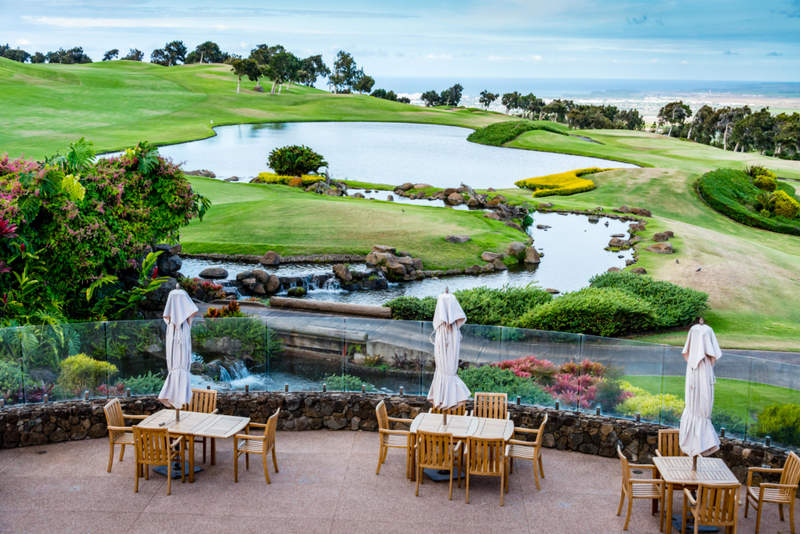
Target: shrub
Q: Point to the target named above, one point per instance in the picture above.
(346, 383)
(673, 305)
(231, 310)
(731, 193)
(202, 289)
(781, 422)
(145, 384)
(600, 312)
(501, 133)
(767, 181)
(650, 406)
(271, 178)
(80, 373)
(412, 308)
(755, 170)
(565, 183)
(542, 371)
(295, 160)
(786, 206)
(492, 379)
(11, 380)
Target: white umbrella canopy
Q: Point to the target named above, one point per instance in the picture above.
(447, 389)
(178, 315)
(701, 352)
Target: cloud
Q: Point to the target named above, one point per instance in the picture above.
(684, 62)
(23, 42)
(433, 57)
(729, 53)
(654, 60)
(774, 54)
(242, 44)
(500, 58)
(536, 57)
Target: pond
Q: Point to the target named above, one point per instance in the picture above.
(387, 153)
(573, 247)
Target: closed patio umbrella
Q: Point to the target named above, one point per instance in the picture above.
(178, 315)
(447, 389)
(701, 352)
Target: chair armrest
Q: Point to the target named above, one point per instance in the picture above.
(689, 496)
(651, 481)
(508, 416)
(121, 428)
(766, 469)
(257, 425)
(130, 416)
(777, 486)
(250, 436)
(216, 410)
(401, 420)
(644, 466)
(458, 446)
(526, 430)
(470, 413)
(395, 432)
(658, 453)
(520, 442)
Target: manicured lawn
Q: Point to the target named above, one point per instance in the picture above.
(252, 219)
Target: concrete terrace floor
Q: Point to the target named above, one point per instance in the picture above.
(326, 484)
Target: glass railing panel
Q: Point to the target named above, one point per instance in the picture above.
(731, 395)
(383, 356)
(620, 376)
(774, 404)
(136, 350)
(480, 358)
(673, 383)
(230, 354)
(429, 363)
(306, 352)
(64, 362)
(11, 381)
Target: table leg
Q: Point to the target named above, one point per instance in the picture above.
(191, 459)
(669, 509)
(213, 451)
(413, 460)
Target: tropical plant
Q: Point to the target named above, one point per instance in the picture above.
(493, 379)
(346, 383)
(231, 310)
(81, 373)
(144, 384)
(295, 160)
(11, 380)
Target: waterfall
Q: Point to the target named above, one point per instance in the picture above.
(235, 371)
(331, 284)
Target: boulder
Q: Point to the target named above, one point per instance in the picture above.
(244, 275)
(384, 249)
(669, 233)
(296, 292)
(232, 179)
(334, 192)
(296, 182)
(395, 269)
(491, 190)
(546, 205)
(499, 265)
(514, 225)
(262, 277)
(552, 291)
(214, 273)
(270, 258)
(168, 250)
(358, 195)
(532, 255)
(378, 258)
(492, 215)
(204, 172)
(491, 256)
(257, 289)
(418, 265)
(614, 269)
(661, 248)
(501, 198)
(517, 250)
(489, 267)
(475, 269)
(405, 187)
(494, 202)
(390, 198)
(624, 209)
(636, 227)
(639, 270)
(156, 300)
(473, 203)
(342, 272)
(168, 264)
(455, 198)
(542, 226)
(402, 254)
(457, 238)
(449, 191)
(273, 284)
(258, 89)
(641, 212)
(405, 261)
(453, 272)
(422, 186)
(660, 237)
(594, 219)
(618, 243)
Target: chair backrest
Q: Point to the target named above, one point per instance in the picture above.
(486, 456)
(113, 412)
(540, 434)
(626, 471)
(383, 416)
(492, 405)
(717, 504)
(669, 442)
(152, 445)
(203, 401)
(435, 449)
(791, 473)
(455, 410)
(272, 426)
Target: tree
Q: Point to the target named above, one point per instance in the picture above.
(111, 54)
(510, 101)
(176, 51)
(403, 99)
(756, 131)
(365, 84)
(312, 68)
(787, 136)
(531, 106)
(71, 56)
(38, 57)
(557, 109)
(486, 99)
(674, 113)
(208, 52)
(134, 55)
(239, 69)
(295, 160)
(282, 68)
(431, 98)
(262, 53)
(159, 56)
(15, 54)
(345, 72)
(451, 96)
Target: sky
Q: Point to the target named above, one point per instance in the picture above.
(744, 40)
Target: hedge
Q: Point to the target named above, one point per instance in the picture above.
(502, 132)
(730, 192)
(272, 178)
(565, 183)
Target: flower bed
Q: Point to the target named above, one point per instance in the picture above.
(565, 183)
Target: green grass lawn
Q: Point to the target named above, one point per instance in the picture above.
(252, 219)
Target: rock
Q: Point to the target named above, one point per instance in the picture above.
(473, 203)
(641, 212)
(390, 198)
(422, 186)
(168, 250)
(491, 256)
(334, 192)
(501, 198)
(232, 179)
(492, 203)
(618, 243)
(296, 292)
(342, 272)
(629, 262)
(639, 270)
(453, 272)
(270, 258)
(594, 219)
(297, 181)
(258, 89)
(420, 195)
(546, 205)
(552, 291)
(168, 264)
(499, 265)
(491, 190)
(405, 187)
(636, 227)
(473, 270)
(617, 235)
(624, 209)
(214, 273)
(542, 226)
(246, 274)
(517, 250)
(406, 261)
(262, 277)
(395, 269)
(449, 191)
(669, 233)
(489, 267)
(457, 238)
(492, 215)
(402, 254)
(378, 258)
(196, 368)
(358, 195)
(660, 237)
(417, 263)
(661, 248)
(256, 289)
(273, 284)
(514, 225)
(204, 172)
(455, 198)
(532, 255)
(614, 269)
(384, 249)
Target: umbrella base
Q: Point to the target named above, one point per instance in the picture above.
(676, 525)
(176, 469)
(443, 476)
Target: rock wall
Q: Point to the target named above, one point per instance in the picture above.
(39, 424)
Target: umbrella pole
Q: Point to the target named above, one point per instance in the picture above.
(694, 463)
(178, 415)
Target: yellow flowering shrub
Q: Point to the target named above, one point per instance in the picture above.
(650, 405)
(565, 183)
(272, 178)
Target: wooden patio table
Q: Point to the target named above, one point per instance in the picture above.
(197, 424)
(462, 427)
(677, 471)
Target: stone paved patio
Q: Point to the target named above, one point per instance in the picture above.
(327, 484)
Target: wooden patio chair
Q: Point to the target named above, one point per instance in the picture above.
(491, 405)
(437, 450)
(203, 401)
(637, 488)
(486, 457)
(118, 433)
(262, 445)
(782, 493)
(716, 505)
(669, 443)
(393, 439)
(155, 446)
(527, 450)
(461, 409)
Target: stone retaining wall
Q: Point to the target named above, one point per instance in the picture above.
(586, 433)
